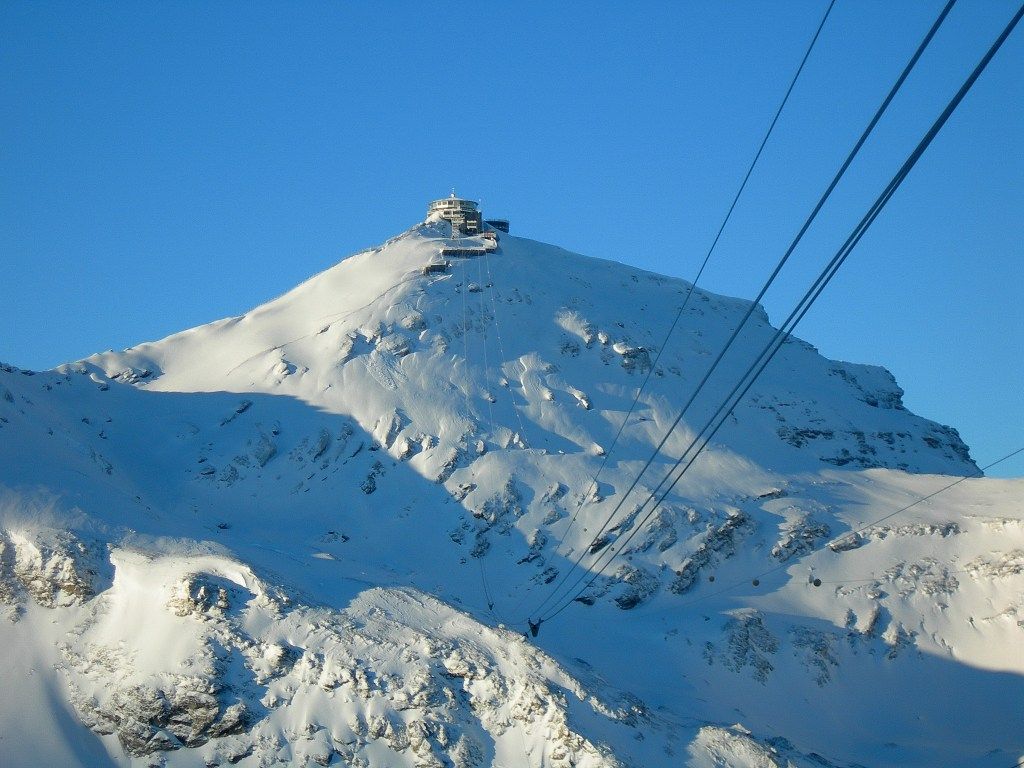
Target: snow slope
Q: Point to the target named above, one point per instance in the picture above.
(313, 533)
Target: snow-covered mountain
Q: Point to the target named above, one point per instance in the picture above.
(314, 533)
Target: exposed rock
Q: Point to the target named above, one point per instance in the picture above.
(818, 651)
(749, 643)
(997, 565)
(263, 449)
(394, 344)
(639, 585)
(634, 359)
(719, 541)
(369, 483)
(797, 537)
(54, 567)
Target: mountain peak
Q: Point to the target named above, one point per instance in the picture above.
(524, 332)
(308, 531)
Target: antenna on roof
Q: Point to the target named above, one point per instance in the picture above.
(453, 193)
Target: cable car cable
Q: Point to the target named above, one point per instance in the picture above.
(735, 333)
(469, 398)
(771, 278)
(501, 346)
(823, 279)
(686, 299)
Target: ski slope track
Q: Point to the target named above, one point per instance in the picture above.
(273, 539)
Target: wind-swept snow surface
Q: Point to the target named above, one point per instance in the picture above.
(313, 534)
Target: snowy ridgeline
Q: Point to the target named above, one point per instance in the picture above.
(194, 652)
(276, 538)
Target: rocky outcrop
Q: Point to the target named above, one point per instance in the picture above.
(748, 643)
(719, 541)
(53, 568)
(397, 679)
(179, 711)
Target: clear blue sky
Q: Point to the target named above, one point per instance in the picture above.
(166, 164)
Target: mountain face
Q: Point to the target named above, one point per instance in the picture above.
(314, 533)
